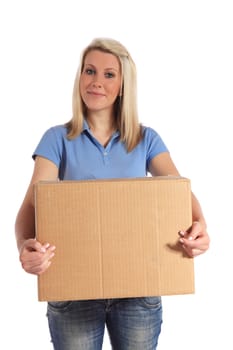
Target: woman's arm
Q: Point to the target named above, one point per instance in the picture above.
(35, 257)
(195, 240)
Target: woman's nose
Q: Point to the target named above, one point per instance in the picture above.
(96, 84)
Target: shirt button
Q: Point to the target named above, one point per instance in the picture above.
(105, 153)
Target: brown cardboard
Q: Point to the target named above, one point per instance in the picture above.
(114, 238)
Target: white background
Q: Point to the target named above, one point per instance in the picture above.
(183, 51)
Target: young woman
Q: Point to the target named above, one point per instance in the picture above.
(104, 139)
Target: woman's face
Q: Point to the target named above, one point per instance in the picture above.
(100, 81)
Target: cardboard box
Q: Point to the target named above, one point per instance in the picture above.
(114, 238)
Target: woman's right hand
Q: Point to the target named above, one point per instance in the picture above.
(35, 257)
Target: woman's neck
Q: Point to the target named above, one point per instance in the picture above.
(104, 123)
(102, 128)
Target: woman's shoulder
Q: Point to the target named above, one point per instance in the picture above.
(57, 131)
(153, 141)
(148, 131)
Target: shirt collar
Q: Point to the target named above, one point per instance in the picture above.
(87, 128)
(85, 125)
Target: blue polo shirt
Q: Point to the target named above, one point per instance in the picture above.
(85, 158)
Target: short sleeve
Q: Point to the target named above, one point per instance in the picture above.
(154, 144)
(50, 145)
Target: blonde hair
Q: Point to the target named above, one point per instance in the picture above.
(126, 113)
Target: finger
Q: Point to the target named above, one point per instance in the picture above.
(37, 264)
(37, 269)
(42, 248)
(51, 248)
(187, 235)
(193, 252)
(192, 232)
(33, 245)
(193, 245)
(32, 259)
(196, 252)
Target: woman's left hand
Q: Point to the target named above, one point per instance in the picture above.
(195, 240)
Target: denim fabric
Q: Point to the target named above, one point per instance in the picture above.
(132, 323)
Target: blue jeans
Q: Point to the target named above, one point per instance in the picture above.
(132, 323)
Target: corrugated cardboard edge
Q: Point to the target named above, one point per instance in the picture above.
(102, 294)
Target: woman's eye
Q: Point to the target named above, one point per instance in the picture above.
(89, 71)
(109, 75)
